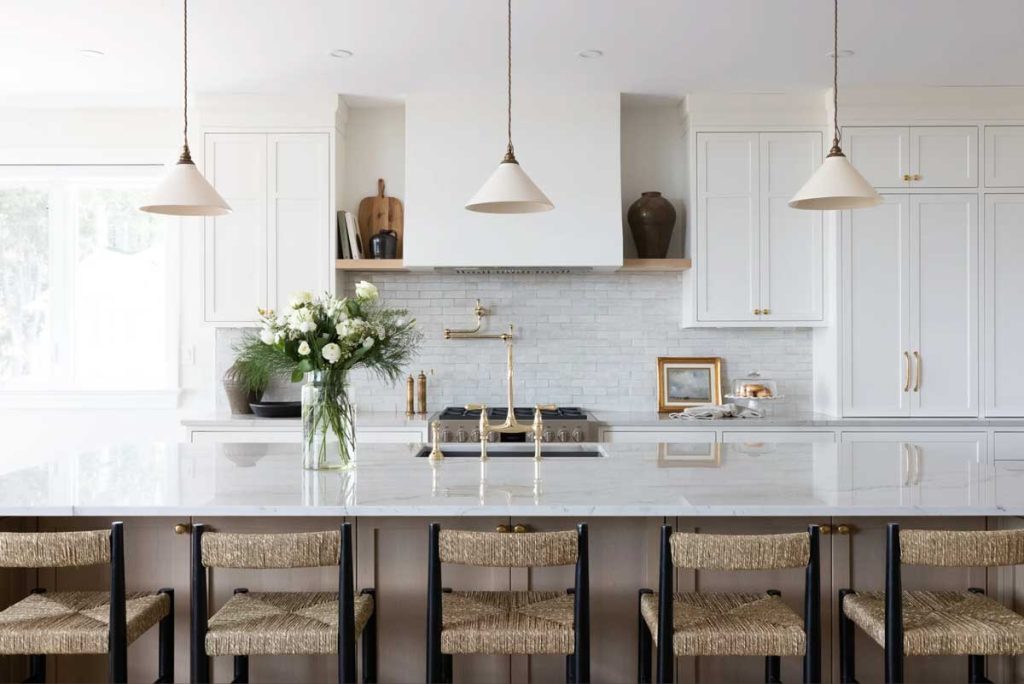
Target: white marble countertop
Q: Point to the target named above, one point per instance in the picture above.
(158, 479)
(803, 420)
(365, 419)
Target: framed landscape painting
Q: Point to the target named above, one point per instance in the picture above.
(688, 381)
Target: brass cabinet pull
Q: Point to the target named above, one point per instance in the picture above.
(501, 529)
(766, 311)
(757, 312)
(905, 449)
(520, 528)
(906, 374)
(906, 176)
(917, 375)
(182, 528)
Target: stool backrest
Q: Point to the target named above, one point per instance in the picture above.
(961, 548)
(740, 552)
(270, 551)
(54, 549)
(508, 549)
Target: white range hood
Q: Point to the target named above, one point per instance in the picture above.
(567, 143)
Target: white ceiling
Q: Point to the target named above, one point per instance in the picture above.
(659, 47)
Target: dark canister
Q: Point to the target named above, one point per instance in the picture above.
(651, 220)
(384, 245)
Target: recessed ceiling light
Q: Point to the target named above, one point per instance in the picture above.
(85, 52)
(590, 54)
(842, 53)
(341, 53)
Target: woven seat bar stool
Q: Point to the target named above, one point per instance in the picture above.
(919, 623)
(508, 622)
(280, 623)
(732, 624)
(75, 622)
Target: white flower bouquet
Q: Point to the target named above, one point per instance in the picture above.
(322, 339)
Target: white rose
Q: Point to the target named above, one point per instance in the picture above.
(300, 298)
(331, 353)
(367, 343)
(366, 290)
(304, 348)
(267, 336)
(343, 328)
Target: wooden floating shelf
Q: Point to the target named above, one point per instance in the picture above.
(370, 265)
(654, 265)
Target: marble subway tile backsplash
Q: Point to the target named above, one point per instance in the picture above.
(581, 339)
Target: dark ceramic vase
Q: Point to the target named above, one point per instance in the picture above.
(651, 220)
(384, 245)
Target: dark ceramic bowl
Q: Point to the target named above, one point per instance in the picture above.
(277, 409)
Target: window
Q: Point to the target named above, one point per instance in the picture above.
(85, 302)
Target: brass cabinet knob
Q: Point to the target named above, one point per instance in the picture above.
(182, 528)
(906, 176)
(845, 529)
(520, 528)
(757, 312)
(917, 176)
(501, 529)
(766, 311)
(825, 529)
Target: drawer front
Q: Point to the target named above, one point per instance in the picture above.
(1009, 446)
(655, 436)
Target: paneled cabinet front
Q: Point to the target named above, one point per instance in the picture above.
(910, 307)
(893, 157)
(758, 262)
(277, 238)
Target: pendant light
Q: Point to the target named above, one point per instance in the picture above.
(184, 191)
(836, 184)
(509, 190)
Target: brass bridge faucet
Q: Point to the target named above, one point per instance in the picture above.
(511, 425)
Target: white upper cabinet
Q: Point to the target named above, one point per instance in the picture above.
(235, 262)
(892, 157)
(757, 261)
(277, 239)
(569, 145)
(880, 153)
(910, 307)
(1004, 156)
(1004, 305)
(944, 156)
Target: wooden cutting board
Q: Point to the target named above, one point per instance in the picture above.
(380, 212)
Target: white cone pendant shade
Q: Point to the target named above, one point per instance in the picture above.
(509, 191)
(836, 185)
(184, 192)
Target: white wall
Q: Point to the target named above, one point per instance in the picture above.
(375, 148)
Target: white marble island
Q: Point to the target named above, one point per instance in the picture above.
(948, 478)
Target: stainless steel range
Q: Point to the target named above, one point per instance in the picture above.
(561, 424)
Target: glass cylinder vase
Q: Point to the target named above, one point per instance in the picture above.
(328, 422)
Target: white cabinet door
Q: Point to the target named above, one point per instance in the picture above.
(299, 215)
(640, 436)
(727, 217)
(1004, 156)
(235, 261)
(1004, 305)
(876, 303)
(944, 156)
(792, 243)
(944, 304)
(880, 153)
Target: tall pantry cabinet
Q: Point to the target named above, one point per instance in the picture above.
(930, 280)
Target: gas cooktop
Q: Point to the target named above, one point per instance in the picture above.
(522, 413)
(562, 424)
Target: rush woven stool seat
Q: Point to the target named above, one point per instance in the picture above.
(81, 622)
(912, 623)
(734, 624)
(280, 623)
(508, 622)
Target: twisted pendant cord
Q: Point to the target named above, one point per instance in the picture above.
(509, 36)
(185, 102)
(837, 136)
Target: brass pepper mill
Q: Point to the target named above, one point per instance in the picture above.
(421, 393)
(410, 407)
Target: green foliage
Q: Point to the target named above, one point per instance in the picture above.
(256, 364)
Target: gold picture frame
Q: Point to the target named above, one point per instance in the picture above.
(685, 381)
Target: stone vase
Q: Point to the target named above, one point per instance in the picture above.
(651, 220)
(238, 398)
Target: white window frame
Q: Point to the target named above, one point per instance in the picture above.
(54, 165)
